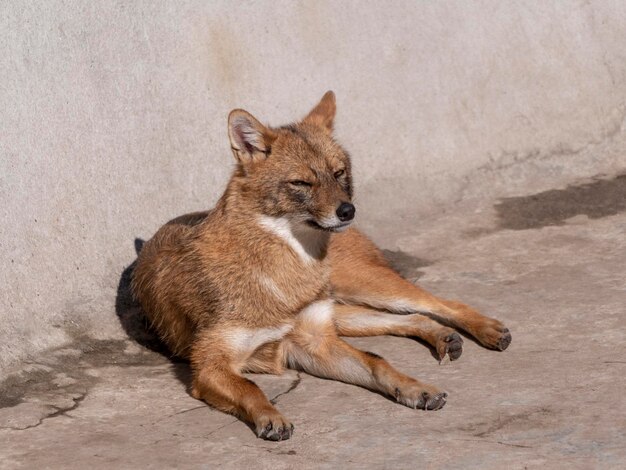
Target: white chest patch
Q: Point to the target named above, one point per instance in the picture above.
(305, 241)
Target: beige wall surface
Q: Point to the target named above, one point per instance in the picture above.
(113, 120)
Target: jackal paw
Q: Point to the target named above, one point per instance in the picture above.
(273, 427)
(494, 335)
(449, 342)
(423, 397)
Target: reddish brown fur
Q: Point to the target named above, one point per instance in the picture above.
(248, 285)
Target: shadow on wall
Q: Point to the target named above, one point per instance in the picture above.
(137, 326)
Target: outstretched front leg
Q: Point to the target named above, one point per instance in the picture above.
(217, 357)
(313, 346)
(361, 275)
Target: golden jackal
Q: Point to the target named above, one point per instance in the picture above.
(273, 276)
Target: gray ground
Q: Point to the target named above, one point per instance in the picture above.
(550, 265)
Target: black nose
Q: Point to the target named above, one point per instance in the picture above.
(345, 211)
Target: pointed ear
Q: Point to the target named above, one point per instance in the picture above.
(323, 114)
(249, 139)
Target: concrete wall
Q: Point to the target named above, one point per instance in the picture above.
(113, 120)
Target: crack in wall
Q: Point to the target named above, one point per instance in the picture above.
(509, 159)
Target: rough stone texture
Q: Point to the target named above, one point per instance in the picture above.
(554, 399)
(112, 121)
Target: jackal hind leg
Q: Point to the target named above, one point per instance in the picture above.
(355, 320)
(313, 346)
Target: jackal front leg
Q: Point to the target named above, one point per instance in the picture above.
(380, 287)
(361, 275)
(216, 361)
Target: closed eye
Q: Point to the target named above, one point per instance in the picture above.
(339, 173)
(300, 183)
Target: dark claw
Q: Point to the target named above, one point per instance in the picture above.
(505, 340)
(455, 348)
(286, 432)
(281, 433)
(436, 402)
(421, 404)
(452, 346)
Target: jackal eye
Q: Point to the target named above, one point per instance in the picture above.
(300, 183)
(339, 173)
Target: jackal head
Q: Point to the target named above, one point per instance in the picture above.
(296, 171)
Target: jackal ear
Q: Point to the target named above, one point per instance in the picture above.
(323, 114)
(249, 139)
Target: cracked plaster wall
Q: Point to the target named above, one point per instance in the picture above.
(112, 121)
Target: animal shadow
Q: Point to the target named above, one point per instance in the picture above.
(137, 326)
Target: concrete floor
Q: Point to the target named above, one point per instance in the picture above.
(550, 265)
